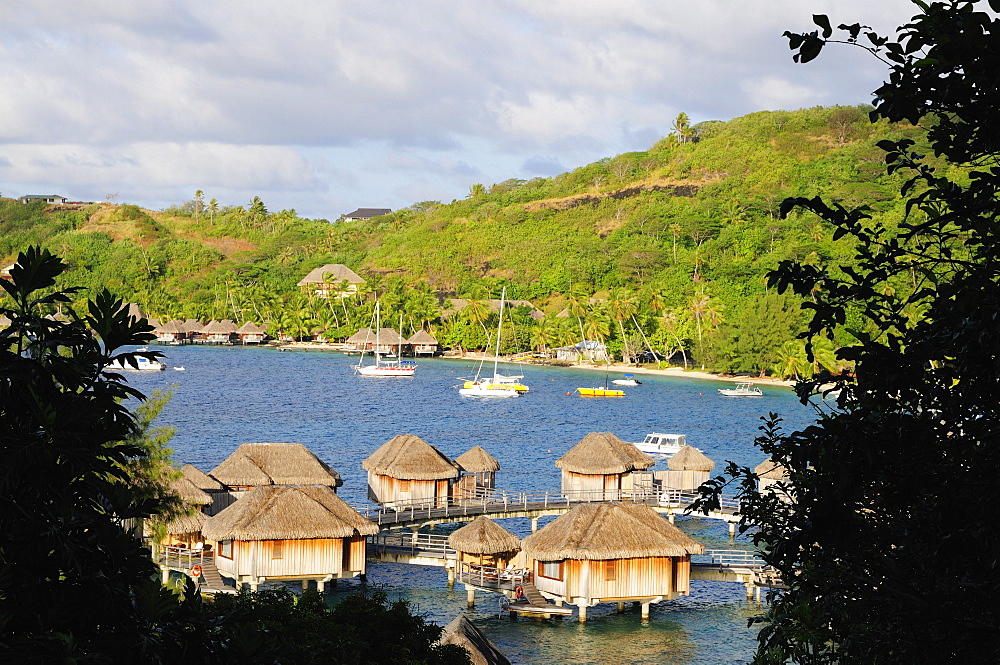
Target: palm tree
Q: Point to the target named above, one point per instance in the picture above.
(199, 198)
(791, 361)
(544, 334)
(477, 309)
(213, 207)
(579, 304)
(476, 191)
(671, 321)
(703, 309)
(622, 305)
(682, 127)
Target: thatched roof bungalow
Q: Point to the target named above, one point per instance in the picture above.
(255, 464)
(769, 474)
(219, 332)
(611, 552)
(360, 341)
(169, 332)
(688, 468)
(185, 530)
(422, 343)
(479, 475)
(216, 490)
(406, 470)
(332, 279)
(484, 542)
(601, 467)
(289, 532)
(251, 333)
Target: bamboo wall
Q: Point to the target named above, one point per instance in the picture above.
(681, 480)
(315, 557)
(632, 578)
(388, 491)
(594, 487)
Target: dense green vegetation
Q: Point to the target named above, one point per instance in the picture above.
(880, 530)
(674, 242)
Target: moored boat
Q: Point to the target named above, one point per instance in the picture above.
(601, 391)
(661, 444)
(143, 364)
(498, 385)
(627, 380)
(742, 390)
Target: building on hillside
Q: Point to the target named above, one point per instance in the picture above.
(331, 280)
(255, 464)
(289, 533)
(602, 467)
(53, 199)
(366, 213)
(611, 552)
(423, 344)
(479, 475)
(588, 349)
(408, 471)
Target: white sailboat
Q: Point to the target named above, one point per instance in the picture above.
(498, 385)
(381, 367)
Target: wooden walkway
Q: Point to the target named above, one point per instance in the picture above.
(505, 504)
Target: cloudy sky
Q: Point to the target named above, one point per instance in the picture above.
(325, 106)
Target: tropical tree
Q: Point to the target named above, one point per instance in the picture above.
(622, 305)
(706, 313)
(682, 128)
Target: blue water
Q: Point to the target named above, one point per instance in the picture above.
(229, 396)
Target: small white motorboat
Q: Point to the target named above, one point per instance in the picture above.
(627, 380)
(742, 390)
(179, 369)
(143, 364)
(662, 444)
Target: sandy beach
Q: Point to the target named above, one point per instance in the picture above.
(618, 368)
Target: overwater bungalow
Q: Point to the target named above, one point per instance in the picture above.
(422, 344)
(219, 332)
(185, 530)
(483, 542)
(251, 333)
(769, 475)
(170, 332)
(602, 467)
(287, 533)
(217, 491)
(256, 464)
(388, 342)
(360, 342)
(688, 469)
(408, 471)
(611, 552)
(479, 473)
(192, 330)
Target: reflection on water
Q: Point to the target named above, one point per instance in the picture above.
(229, 396)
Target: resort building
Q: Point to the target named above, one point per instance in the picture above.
(601, 468)
(484, 543)
(611, 552)
(366, 213)
(257, 464)
(186, 530)
(251, 333)
(219, 493)
(331, 280)
(688, 469)
(170, 332)
(288, 533)
(219, 332)
(408, 471)
(769, 475)
(479, 475)
(423, 344)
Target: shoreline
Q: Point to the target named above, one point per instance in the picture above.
(620, 368)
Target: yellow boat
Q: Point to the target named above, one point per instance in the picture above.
(499, 382)
(601, 392)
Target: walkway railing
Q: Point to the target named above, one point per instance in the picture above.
(730, 559)
(489, 577)
(412, 544)
(183, 557)
(491, 502)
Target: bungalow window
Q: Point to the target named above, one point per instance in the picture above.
(277, 549)
(610, 571)
(404, 485)
(226, 549)
(550, 569)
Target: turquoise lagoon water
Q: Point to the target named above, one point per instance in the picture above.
(228, 396)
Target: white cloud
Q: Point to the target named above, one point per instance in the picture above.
(305, 98)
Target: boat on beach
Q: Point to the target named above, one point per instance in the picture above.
(742, 390)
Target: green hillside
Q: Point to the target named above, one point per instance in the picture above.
(674, 241)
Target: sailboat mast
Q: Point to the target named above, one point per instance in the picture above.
(496, 354)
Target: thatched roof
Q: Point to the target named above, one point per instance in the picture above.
(331, 273)
(192, 523)
(422, 337)
(389, 336)
(173, 327)
(771, 470)
(603, 453)
(275, 464)
(464, 633)
(288, 512)
(250, 328)
(191, 326)
(483, 536)
(363, 335)
(202, 480)
(189, 492)
(689, 458)
(223, 327)
(609, 531)
(477, 459)
(408, 457)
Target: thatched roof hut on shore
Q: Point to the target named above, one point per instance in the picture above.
(600, 467)
(621, 551)
(289, 532)
(255, 464)
(408, 470)
(464, 633)
(422, 343)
